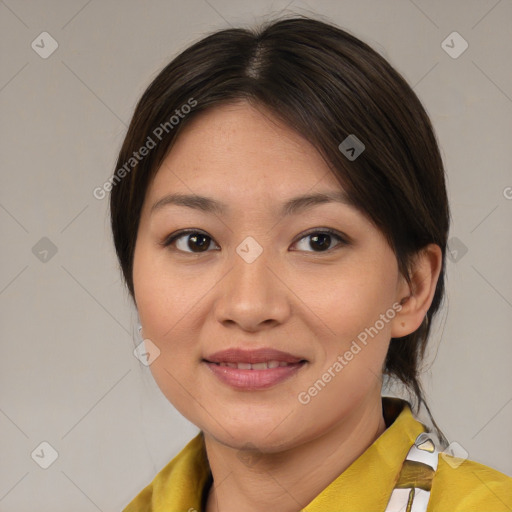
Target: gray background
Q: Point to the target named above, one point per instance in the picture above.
(68, 375)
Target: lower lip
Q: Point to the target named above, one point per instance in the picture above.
(253, 379)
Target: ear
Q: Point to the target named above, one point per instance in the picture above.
(416, 300)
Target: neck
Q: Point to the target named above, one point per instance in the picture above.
(288, 481)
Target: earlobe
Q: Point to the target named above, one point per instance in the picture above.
(424, 276)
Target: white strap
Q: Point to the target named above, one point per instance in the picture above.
(423, 450)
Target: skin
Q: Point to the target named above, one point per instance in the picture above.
(295, 297)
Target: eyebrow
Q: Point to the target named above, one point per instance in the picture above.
(293, 206)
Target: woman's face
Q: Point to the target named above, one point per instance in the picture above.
(253, 276)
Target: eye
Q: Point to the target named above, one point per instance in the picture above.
(190, 240)
(322, 239)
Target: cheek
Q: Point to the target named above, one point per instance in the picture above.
(348, 300)
(161, 294)
(354, 337)
(166, 307)
(165, 311)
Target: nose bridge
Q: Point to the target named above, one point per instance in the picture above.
(250, 274)
(251, 293)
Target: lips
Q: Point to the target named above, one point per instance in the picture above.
(259, 359)
(253, 370)
(265, 365)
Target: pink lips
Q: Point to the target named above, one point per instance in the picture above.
(271, 367)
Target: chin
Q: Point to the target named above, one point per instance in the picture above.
(253, 436)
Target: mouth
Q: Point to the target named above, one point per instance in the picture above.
(251, 370)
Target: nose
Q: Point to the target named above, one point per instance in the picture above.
(252, 295)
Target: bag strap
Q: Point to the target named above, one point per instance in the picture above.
(412, 489)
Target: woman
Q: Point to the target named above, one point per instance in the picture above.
(280, 215)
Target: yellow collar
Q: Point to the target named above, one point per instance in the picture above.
(365, 485)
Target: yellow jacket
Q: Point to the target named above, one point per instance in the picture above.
(365, 486)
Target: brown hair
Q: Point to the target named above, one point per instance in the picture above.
(326, 84)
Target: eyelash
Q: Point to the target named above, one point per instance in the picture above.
(175, 236)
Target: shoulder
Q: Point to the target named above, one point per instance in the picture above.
(467, 486)
(179, 484)
(142, 502)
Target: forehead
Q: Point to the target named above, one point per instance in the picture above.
(243, 152)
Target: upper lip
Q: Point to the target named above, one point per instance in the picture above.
(261, 355)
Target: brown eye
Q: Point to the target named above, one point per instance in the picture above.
(320, 241)
(189, 241)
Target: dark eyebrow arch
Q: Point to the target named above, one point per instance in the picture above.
(293, 206)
